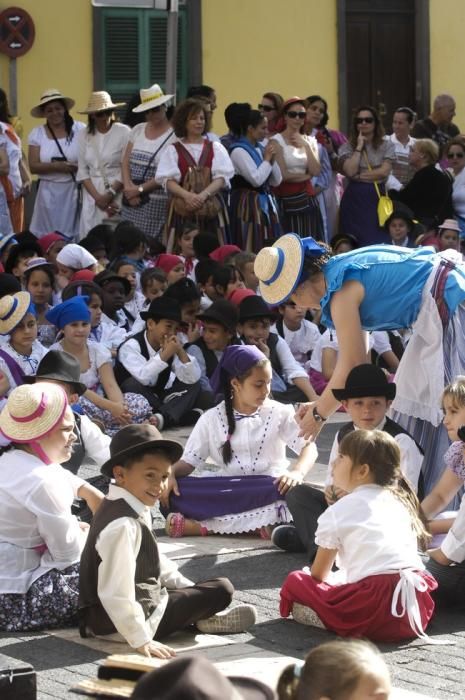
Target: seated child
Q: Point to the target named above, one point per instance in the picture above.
(366, 397)
(219, 330)
(153, 284)
(452, 480)
(350, 669)
(154, 363)
(91, 446)
(51, 244)
(103, 400)
(204, 271)
(246, 437)
(39, 281)
(449, 235)
(40, 541)
(126, 586)
(172, 266)
(7, 241)
(186, 293)
(374, 531)
(21, 354)
(225, 279)
(127, 268)
(290, 383)
(401, 228)
(184, 247)
(102, 330)
(300, 335)
(225, 254)
(19, 256)
(115, 290)
(70, 259)
(244, 263)
(128, 241)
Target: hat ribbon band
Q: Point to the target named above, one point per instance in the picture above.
(51, 96)
(36, 414)
(152, 97)
(278, 270)
(11, 311)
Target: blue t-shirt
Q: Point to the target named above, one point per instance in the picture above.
(393, 278)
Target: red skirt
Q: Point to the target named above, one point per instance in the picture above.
(361, 609)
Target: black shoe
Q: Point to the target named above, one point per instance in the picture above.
(287, 538)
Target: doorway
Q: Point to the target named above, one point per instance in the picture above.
(383, 57)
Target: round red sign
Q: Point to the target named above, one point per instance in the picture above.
(16, 32)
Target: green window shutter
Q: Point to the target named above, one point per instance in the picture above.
(134, 50)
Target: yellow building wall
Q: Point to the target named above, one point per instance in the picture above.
(256, 46)
(447, 23)
(61, 56)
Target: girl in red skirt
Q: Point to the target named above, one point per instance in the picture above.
(381, 590)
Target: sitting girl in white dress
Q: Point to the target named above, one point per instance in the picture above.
(245, 437)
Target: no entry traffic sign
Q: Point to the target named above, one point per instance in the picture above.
(16, 32)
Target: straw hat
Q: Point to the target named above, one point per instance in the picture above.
(100, 101)
(13, 308)
(278, 268)
(32, 411)
(151, 97)
(50, 95)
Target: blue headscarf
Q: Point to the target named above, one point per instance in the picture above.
(74, 309)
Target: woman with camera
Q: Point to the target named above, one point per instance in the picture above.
(53, 156)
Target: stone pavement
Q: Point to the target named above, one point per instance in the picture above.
(257, 571)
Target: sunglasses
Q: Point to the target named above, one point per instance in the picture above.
(266, 108)
(296, 115)
(455, 155)
(155, 109)
(366, 120)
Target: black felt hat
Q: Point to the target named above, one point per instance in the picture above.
(133, 439)
(223, 312)
(61, 366)
(366, 380)
(195, 678)
(254, 307)
(163, 307)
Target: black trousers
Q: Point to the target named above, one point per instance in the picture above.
(173, 404)
(451, 584)
(188, 605)
(306, 505)
(292, 395)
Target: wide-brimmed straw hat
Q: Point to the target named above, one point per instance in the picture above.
(13, 308)
(32, 411)
(151, 97)
(279, 267)
(100, 101)
(50, 95)
(134, 439)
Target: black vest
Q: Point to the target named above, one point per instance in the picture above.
(272, 342)
(211, 362)
(121, 373)
(146, 580)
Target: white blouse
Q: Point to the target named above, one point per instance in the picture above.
(100, 154)
(48, 149)
(35, 510)
(296, 158)
(168, 168)
(245, 165)
(372, 531)
(258, 443)
(302, 341)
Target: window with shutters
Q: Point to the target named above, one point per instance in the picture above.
(134, 50)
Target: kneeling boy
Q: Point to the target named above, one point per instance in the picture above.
(126, 585)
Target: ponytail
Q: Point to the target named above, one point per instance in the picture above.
(226, 449)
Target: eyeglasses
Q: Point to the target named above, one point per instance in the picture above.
(366, 120)
(455, 155)
(266, 108)
(296, 115)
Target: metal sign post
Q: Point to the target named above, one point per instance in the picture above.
(172, 48)
(17, 35)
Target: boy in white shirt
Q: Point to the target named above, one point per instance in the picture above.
(301, 335)
(127, 587)
(367, 396)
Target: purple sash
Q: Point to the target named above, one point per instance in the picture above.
(212, 496)
(16, 371)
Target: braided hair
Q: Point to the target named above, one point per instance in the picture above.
(226, 449)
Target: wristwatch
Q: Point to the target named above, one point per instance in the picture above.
(140, 189)
(317, 416)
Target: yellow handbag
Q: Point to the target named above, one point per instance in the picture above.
(385, 205)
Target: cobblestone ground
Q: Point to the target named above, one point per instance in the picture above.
(435, 671)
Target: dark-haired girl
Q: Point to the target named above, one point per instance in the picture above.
(53, 156)
(252, 207)
(366, 159)
(246, 437)
(39, 281)
(381, 590)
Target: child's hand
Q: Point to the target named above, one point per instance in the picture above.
(193, 332)
(158, 649)
(287, 482)
(120, 413)
(438, 556)
(263, 347)
(333, 494)
(167, 486)
(170, 346)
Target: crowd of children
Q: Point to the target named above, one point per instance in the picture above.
(113, 339)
